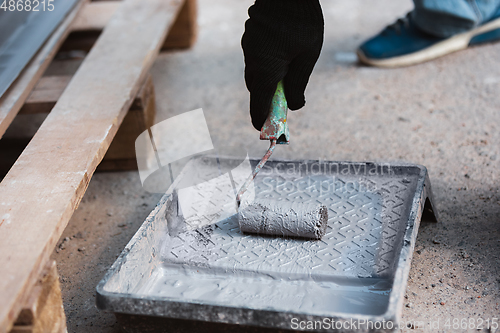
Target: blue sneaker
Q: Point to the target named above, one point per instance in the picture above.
(403, 44)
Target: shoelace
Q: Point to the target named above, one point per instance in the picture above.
(404, 21)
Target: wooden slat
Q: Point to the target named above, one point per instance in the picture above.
(43, 310)
(14, 98)
(183, 34)
(95, 15)
(45, 185)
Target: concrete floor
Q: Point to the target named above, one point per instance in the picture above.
(443, 114)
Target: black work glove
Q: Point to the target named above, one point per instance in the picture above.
(282, 41)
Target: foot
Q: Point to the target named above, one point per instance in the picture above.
(403, 44)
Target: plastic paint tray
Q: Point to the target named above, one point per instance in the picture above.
(212, 272)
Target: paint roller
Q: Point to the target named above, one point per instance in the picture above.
(273, 217)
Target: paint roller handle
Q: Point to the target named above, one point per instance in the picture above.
(275, 129)
(276, 125)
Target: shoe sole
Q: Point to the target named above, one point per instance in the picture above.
(450, 45)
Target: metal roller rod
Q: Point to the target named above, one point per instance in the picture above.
(256, 171)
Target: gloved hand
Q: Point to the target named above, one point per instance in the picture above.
(282, 41)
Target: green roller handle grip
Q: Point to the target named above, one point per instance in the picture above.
(276, 126)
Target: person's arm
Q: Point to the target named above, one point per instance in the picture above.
(282, 41)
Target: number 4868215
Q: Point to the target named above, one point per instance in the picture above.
(27, 5)
(471, 323)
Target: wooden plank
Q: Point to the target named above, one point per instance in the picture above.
(182, 35)
(14, 98)
(95, 15)
(45, 185)
(43, 310)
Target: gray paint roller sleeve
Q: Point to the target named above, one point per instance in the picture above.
(283, 218)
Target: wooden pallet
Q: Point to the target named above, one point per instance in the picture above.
(43, 188)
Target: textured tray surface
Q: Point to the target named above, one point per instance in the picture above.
(361, 237)
(350, 271)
